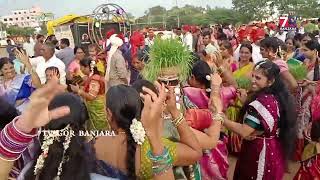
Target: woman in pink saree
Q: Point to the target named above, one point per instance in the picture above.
(214, 163)
(268, 128)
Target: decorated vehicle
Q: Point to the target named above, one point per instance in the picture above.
(88, 29)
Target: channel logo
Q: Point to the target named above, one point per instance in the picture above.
(288, 23)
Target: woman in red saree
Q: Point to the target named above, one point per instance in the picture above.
(268, 126)
(310, 167)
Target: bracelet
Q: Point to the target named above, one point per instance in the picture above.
(215, 89)
(219, 117)
(220, 70)
(161, 163)
(13, 142)
(176, 122)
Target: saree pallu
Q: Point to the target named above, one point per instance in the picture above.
(310, 169)
(97, 114)
(303, 119)
(262, 158)
(214, 163)
(234, 142)
(20, 88)
(251, 158)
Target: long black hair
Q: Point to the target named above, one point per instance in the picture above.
(125, 104)
(287, 109)
(314, 45)
(86, 62)
(78, 165)
(200, 70)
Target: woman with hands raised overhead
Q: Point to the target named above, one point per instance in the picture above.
(145, 142)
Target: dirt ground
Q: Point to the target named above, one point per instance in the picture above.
(293, 168)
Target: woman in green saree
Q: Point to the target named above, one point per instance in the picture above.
(243, 78)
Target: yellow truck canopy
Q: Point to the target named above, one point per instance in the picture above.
(64, 20)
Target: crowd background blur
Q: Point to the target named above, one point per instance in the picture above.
(217, 94)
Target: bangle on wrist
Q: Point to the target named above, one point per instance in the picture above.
(221, 70)
(176, 122)
(215, 88)
(160, 163)
(13, 141)
(219, 117)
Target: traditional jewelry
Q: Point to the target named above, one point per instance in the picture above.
(219, 117)
(13, 142)
(161, 163)
(176, 122)
(137, 131)
(49, 137)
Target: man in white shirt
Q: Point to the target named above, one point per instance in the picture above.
(282, 35)
(177, 34)
(28, 46)
(187, 37)
(48, 59)
(149, 40)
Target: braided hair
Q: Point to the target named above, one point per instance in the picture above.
(125, 104)
(79, 163)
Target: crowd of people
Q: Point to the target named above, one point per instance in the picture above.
(174, 108)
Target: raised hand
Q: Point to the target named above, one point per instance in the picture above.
(215, 102)
(171, 101)
(153, 108)
(23, 57)
(216, 80)
(75, 88)
(55, 73)
(37, 114)
(218, 59)
(242, 95)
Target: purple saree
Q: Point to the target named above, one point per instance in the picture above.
(262, 157)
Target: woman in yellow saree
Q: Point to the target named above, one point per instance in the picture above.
(242, 76)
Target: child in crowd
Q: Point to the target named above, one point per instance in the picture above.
(94, 53)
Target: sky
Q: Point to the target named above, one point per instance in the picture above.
(83, 7)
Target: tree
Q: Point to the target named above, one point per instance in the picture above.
(261, 9)
(20, 31)
(252, 9)
(3, 26)
(223, 15)
(44, 29)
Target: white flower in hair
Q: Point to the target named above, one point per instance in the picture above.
(137, 131)
(208, 90)
(208, 77)
(49, 137)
